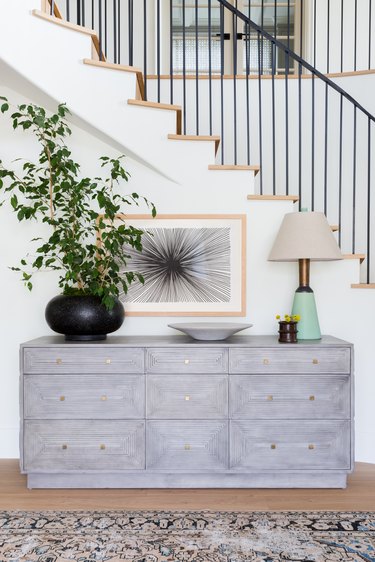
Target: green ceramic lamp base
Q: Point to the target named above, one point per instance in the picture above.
(304, 305)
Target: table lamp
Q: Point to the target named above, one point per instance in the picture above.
(304, 237)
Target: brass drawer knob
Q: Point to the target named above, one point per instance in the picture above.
(187, 398)
(107, 361)
(315, 361)
(103, 398)
(62, 398)
(64, 447)
(273, 446)
(187, 361)
(58, 361)
(311, 446)
(187, 447)
(102, 447)
(266, 361)
(270, 397)
(312, 398)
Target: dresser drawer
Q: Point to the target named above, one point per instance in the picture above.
(289, 397)
(83, 445)
(91, 397)
(188, 397)
(290, 445)
(187, 445)
(91, 360)
(289, 360)
(187, 360)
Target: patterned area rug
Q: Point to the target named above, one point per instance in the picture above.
(186, 536)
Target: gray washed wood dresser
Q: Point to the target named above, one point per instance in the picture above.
(139, 412)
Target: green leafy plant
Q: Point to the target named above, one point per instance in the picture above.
(88, 233)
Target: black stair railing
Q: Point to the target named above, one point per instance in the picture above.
(309, 136)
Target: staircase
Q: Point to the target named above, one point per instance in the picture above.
(309, 137)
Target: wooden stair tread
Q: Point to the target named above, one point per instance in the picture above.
(72, 26)
(167, 106)
(233, 167)
(122, 68)
(214, 138)
(363, 285)
(155, 105)
(293, 198)
(335, 227)
(360, 257)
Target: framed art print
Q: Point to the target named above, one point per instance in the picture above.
(193, 265)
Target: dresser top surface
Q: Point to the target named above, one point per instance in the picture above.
(255, 341)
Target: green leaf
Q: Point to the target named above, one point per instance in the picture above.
(4, 107)
(14, 202)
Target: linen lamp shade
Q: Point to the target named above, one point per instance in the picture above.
(303, 237)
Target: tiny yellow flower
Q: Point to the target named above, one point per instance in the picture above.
(277, 316)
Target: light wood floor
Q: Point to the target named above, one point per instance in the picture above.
(359, 496)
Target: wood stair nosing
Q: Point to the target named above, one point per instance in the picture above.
(123, 68)
(212, 138)
(360, 257)
(293, 198)
(363, 285)
(233, 167)
(72, 26)
(166, 106)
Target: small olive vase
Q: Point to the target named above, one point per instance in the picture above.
(288, 331)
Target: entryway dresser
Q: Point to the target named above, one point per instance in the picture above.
(145, 412)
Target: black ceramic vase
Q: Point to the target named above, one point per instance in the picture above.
(83, 318)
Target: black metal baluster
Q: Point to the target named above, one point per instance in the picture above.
(68, 10)
(119, 31)
(313, 142)
(171, 51)
(369, 32)
(354, 179)
(131, 30)
(260, 112)
(287, 126)
(83, 13)
(234, 31)
(145, 46)
(288, 41)
(105, 28)
(368, 272)
(184, 63)
(158, 46)
(196, 70)
(342, 35)
(314, 34)
(273, 119)
(52, 7)
(325, 149)
(262, 44)
(328, 32)
(301, 30)
(100, 29)
(93, 14)
(355, 33)
(247, 36)
(300, 136)
(210, 65)
(340, 166)
(78, 11)
(114, 31)
(222, 61)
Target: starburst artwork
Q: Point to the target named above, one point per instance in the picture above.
(192, 265)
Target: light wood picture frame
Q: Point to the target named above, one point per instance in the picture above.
(193, 265)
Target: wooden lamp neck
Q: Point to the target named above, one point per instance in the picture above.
(304, 272)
